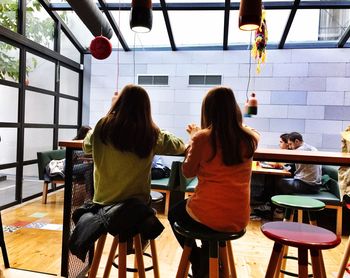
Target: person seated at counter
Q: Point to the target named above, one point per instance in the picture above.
(123, 144)
(220, 155)
(307, 177)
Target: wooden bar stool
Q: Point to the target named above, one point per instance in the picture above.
(156, 197)
(298, 204)
(304, 237)
(295, 204)
(219, 247)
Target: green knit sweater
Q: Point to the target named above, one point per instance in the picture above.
(118, 175)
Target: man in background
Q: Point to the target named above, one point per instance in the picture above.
(307, 177)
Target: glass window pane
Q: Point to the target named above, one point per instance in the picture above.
(145, 80)
(196, 79)
(213, 80)
(8, 14)
(7, 186)
(298, 32)
(66, 134)
(39, 25)
(161, 80)
(69, 82)
(37, 140)
(31, 183)
(197, 27)
(8, 104)
(9, 62)
(77, 27)
(68, 49)
(333, 23)
(158, 36)
(37, 68)
(39, 108)
(8, 145)
(68, 112)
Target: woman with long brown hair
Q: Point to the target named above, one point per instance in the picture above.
(220, 155)
(123, 144)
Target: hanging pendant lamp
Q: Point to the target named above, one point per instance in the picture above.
(141, 16)
(250, 14)
(252, 105)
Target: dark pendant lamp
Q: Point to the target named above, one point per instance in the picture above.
(250, 14)
(141, 16)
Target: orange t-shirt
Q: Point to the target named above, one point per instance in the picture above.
(221, 199)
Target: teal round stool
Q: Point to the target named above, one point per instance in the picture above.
(299, 204)
(295, 204)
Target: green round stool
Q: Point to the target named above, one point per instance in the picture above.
(298, 204)
(293, 204)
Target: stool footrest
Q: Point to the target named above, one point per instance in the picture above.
(132, 269)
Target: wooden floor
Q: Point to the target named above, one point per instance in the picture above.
(38, 247)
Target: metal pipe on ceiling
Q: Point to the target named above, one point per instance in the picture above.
(92, 17)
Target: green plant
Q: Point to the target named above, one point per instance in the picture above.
(38, 29)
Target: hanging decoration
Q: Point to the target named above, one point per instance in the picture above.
(100, 47)
(260, 42)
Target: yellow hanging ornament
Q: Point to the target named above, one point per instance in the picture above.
(259, 45)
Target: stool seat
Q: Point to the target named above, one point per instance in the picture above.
(300, 235)
(219, 248)
(206, 233)
(298, 202)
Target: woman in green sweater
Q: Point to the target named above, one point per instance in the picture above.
(123, 144)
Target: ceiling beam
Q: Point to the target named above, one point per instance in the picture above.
(288, 24)
(114, 25)
(167, 24)
(196, 6)
(226, 24)
(344, 38)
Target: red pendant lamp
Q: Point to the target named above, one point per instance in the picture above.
(141, 16)
(100, 47)
(250, 12)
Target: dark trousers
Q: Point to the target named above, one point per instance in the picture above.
(179, 214)
(290, 186)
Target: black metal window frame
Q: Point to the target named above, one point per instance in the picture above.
(25, 45)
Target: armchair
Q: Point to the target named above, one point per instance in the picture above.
(43, 159)
(330, 194)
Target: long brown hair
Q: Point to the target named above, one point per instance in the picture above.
(128, 126)
(222, 115)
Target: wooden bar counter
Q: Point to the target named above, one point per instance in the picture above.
(273, 155)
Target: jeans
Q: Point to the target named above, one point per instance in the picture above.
(178, 213)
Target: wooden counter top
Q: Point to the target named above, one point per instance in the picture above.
(273, 155)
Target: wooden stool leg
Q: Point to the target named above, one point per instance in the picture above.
(231, 260)
(213, 259)
(316, 261)
(300, 216)
(45, 190)
(224, 259)
(154, 258)
(122, 260)
(302, 262)
(184, 261)
(97, 256)
(110, 258)
(281, 263)
(345, 260)
(139, 256)
(166, 203)
(276, 252)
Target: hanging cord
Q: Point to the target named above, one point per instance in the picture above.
(118, 50)
(250, 63)
(133, 56)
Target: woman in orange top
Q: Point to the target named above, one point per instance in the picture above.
(220, 155)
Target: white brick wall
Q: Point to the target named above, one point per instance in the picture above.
(294, 89)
